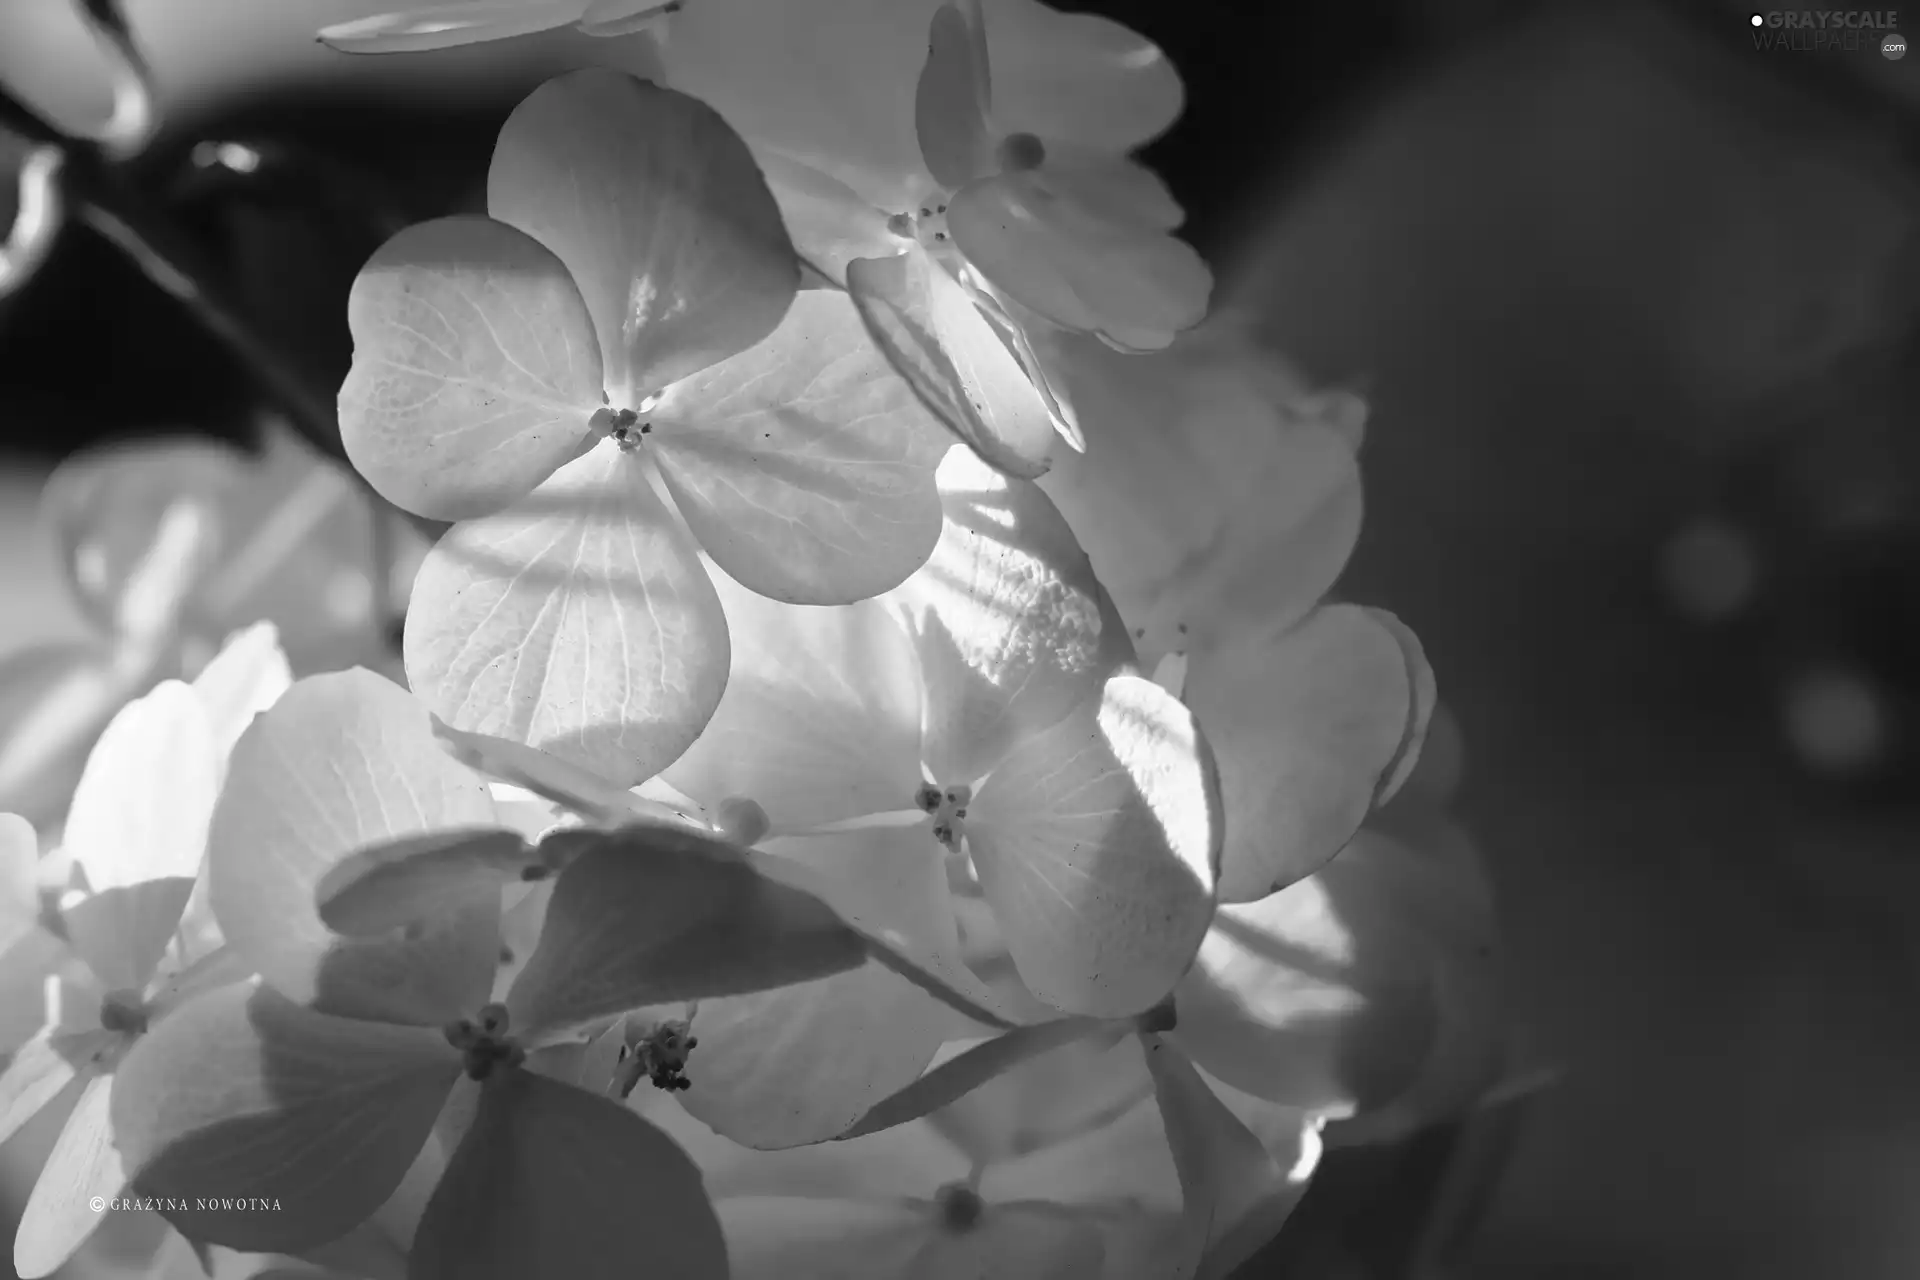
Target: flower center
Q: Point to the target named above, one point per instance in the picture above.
(622, 426)
(947, 806)
(484, 1043)
(123, 1012)
(960, 1206)
(1021, 153)
(658, 1053)
(927, 224)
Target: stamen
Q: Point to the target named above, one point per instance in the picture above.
(1021, 153)
(658, 1053)
(123, 1011)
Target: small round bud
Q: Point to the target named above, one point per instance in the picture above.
(1021, 153)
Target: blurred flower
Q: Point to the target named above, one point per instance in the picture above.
(137, 838)
(445, 26)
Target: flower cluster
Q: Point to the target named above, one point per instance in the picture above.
(877, 790)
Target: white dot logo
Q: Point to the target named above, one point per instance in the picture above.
(1894, 47)
(1758, 20)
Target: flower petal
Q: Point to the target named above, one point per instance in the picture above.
(123, 932)
(961, 1074)
(1060, 1096)
(1032, 1241)
(1223, 1168)
(1309, 997)
(578, 621)
(60, 1215)
(340, 762)
(1079, 77)
(554, 1181)
(804, 1237)
(953, 98)
(244, 678)
(802, 1063)
(556, 784)
(1305, 724)
(33, 1078)
(19, 879)
(386, 886)
(821, 718)
(1122, 189)
(242, 1094)
(607, 18)
(805, 466)
(1423, 696)
(142, 807)
(830, 83)
(447, 26)
(647, 916)
(1097, 844)
(831, 223)
(1208, 505)
(475, 368)
(935, 335)
(1013, 629)
(1076, 266)
(657, 209)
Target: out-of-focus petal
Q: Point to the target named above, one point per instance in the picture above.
(831, 223)
(447, 26)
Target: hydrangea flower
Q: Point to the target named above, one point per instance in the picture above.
(1139, 1190)
(623, 326)
(137, 835)
(966, 176)
(446, 26)
(977, 729)
(320, 1088)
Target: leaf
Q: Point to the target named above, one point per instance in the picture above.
(392, 884)
(655, 206)
(932, 330)
(805, 465)
(578, 621)
(960, 1075)
(244, 678)
(447, 26)
(1310, 997)
(33, 1078)
(1305, 724)
(59, 1215)
(475, 368)
(1013, 629)
(1223, 1168)
(821, 718)
(343, 761)
(242, 1094)
(1076, 266)
(1208, 507)
(551, 1180)
(1097, 845)
(650, 916)
(952, 102)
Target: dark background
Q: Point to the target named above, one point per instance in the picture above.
(1607, 275)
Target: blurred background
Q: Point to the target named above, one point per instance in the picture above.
(1632, 302)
